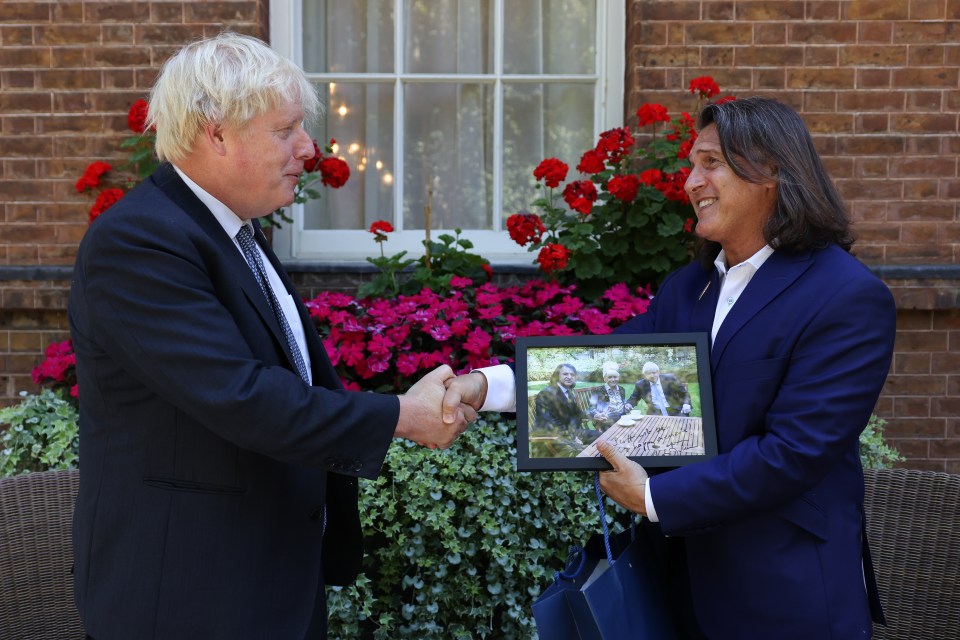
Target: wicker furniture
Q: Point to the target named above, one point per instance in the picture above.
(913, 524)
(36, 585)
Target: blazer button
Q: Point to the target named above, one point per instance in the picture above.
(316, 515)
(356, 466)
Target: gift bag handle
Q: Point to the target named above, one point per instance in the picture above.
(603, 519)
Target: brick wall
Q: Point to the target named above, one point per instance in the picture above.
(878, 81)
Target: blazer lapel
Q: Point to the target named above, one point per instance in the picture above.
(774, 277)
(167, 179)
(701, 318)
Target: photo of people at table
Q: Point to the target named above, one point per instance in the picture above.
(643, 398)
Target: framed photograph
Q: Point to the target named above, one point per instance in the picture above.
(648, 394)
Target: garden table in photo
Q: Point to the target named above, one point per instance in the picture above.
(653, 436)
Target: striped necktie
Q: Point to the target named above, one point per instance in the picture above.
(250, 252)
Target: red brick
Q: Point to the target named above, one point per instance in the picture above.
(876, 10)
(24, 57)
(718, 10)
(873, 55)
(820, 78)
(922, 254)
(874, 78)
(119, 33)
(69, 79)
(670, 10)
(925, 78)
(829, 122)
(771, 79)
(925, 123)
(917, 406)
(670, 57)
(944, 406)
(922, 167)
(860, 189)
(762, 10)
(871, 123)
(920, 190)
(27, 12)
(769, 33)
(774, 57)
(897, 428)
(105, 13)
(870, 101)
(717, 56)
(927, 10)
(823, 56)
(875, 33)
(871, 145)
(172, 34)
(811, 33)
(67, 34)
(907, 363)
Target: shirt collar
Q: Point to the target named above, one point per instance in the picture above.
(230, 221)
(756, 260)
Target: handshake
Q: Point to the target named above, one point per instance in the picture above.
(440, 406)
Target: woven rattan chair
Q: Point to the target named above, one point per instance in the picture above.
(913, 524)
(36, 585)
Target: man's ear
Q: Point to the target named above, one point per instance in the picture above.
(212, 136)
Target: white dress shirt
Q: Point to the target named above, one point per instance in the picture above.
(231, 224)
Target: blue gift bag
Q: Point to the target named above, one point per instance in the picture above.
(613, 588)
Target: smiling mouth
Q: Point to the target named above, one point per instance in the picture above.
(706, 202)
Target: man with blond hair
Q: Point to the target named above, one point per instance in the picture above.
(219, 450)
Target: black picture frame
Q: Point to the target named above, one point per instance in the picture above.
(654, 440)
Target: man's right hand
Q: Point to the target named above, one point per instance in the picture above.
(421, 419)
(468, 390)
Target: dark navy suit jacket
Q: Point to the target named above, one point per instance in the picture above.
(205, 462)
(774, 525)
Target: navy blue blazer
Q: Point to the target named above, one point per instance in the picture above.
(205, 461)
(774, 525)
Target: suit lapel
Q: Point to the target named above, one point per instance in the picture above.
(169, 182)
(773, 278)
(704, 308)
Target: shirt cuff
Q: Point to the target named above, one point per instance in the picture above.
(501, 389)
(648, 503)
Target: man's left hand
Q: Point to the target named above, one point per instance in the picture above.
(626, 483)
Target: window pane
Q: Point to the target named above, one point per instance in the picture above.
(449, 146)
(550, 37)
(360, 119)
(348, 37)
(448, 36)
(542, 121)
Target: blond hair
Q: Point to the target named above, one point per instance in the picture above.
(228, 80)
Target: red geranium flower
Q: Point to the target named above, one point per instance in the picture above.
(381, 226)
(651, 177)
(552, 172)
(705, 86)
(624, 188)
(591, 162)
(313, 163)
(615, 143)
(525, 228)
(553, 257)
(580, 196)
(335, 172)
(137, 116)
(106, 199)
(91, 176)
(650, 113)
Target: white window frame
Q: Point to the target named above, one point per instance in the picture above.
(293, 242)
